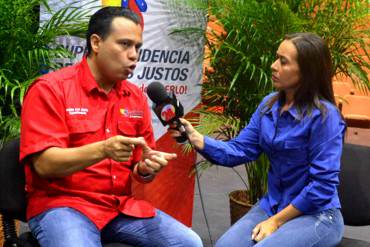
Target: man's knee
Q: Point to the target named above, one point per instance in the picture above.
(64, 227)
(191, 239)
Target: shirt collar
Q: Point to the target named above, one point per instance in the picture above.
(293, 111)
(88, 81)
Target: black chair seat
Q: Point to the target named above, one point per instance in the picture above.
(349, 242)
(354, 190)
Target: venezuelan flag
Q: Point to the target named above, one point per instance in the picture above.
(137, 6)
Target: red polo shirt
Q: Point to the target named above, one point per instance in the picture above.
(67, 109)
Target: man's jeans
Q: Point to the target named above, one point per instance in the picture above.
(66, 227)
(324, 229)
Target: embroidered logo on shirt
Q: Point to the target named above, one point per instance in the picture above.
(131, 113)
(77, 111)
(124, 112)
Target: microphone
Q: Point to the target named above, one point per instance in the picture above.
(167, 108)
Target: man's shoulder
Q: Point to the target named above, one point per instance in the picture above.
(57, 79)
(61, 74)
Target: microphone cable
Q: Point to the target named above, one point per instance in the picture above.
(202, 201)
(201, 194)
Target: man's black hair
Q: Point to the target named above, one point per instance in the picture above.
(100, 22)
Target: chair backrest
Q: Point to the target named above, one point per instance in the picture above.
(356, 111)
(355, 104)
(354, 188)
(343, 88)
(12, 187)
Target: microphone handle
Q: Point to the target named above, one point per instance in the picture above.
(180, 127)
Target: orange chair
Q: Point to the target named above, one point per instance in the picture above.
(357, 136)
(343, 88)
(361, 91)
(356, 111)
(339, 101)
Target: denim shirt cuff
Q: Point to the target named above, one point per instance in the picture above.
(208, 152)
(303, 204)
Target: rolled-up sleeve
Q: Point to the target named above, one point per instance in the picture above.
(325, 149)
(42, 120)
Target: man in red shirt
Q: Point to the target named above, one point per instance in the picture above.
(86, 132)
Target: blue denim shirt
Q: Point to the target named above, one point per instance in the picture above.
(304, 153)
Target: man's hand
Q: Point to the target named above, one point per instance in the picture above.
(264, 229)
(120, 148)
(153, 161)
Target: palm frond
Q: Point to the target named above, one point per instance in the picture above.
(29, 49)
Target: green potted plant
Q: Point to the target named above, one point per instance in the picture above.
(240, 62)
(25, 51)
(240, 78)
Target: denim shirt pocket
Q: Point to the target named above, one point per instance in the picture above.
(295, 150)
(297, 143)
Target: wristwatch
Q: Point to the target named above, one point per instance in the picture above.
(145, 177)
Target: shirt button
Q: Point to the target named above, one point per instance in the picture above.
(107, 130)
(114, 177)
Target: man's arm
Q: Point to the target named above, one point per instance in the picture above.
(152, 163)
(60, 162)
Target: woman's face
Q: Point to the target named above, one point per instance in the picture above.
(285, 70)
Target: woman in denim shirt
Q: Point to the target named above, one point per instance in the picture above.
(301, 131)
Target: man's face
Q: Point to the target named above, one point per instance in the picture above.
(117, 54)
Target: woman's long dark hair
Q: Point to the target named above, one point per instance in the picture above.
(315, 83)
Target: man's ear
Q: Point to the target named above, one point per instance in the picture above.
(95, 43)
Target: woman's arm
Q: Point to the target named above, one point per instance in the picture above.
(267, 227)
(325, 150)
(243, 148)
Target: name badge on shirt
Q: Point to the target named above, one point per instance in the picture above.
(77, 111)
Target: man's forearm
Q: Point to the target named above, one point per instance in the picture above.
(60, 162)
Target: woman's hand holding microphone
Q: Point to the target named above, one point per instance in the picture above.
(195, 138)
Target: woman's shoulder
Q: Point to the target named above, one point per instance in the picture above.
(329, 108)
(267, 98)
(329, 112)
